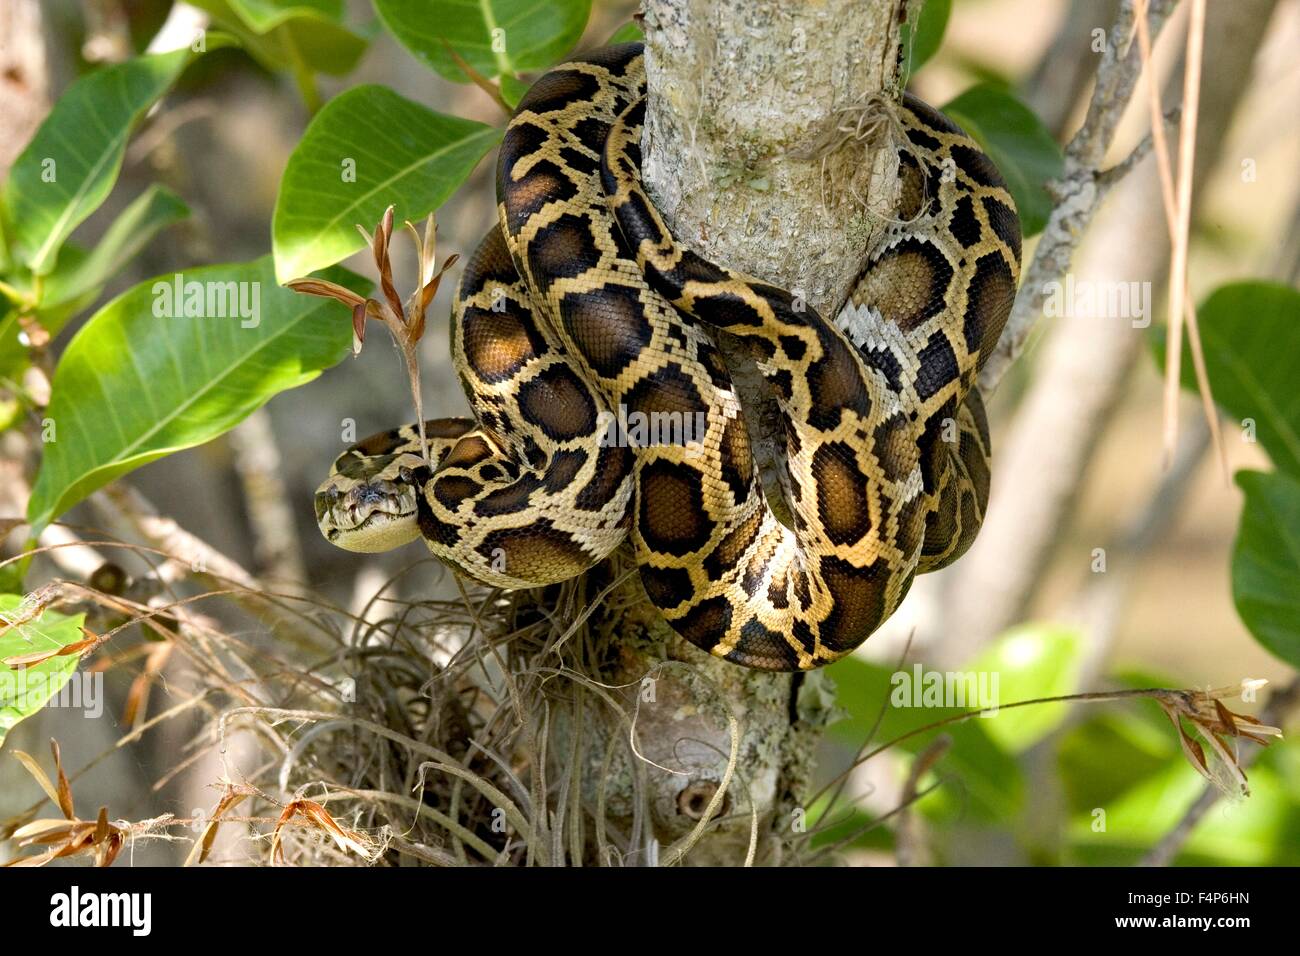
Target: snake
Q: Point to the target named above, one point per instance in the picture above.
(579, 318)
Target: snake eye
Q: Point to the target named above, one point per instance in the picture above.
(407, 476)
(325, 502)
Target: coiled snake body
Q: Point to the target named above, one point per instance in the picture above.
(581, 303)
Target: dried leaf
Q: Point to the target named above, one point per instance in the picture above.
(431, 286)
(137, 697)
(203, 845)
(417, 326)
(21, 662)
(358, 327)
(69, 836)
(28, 761)
(1191, 749)
(384, 263)
(116, 840)
(39, 860)
(1225, 717)
(326, 290)
(426, 294)
(344, 838)
(365, 234)
(318, 817)
(44, 831)
(65, 791)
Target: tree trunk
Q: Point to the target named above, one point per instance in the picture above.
(759, 153)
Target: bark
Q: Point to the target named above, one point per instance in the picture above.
(760, 151)
(741, 95)
(24, 77)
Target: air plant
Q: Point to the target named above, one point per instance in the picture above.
(405, 320)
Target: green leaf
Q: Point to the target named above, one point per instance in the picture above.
(1035, 660)
(495, 37)
(265, 15)
(918, 47)
(289, 34)
(629, 32)
(1266, 562)
(1113, 751)
(1251, 335)
(13, 354)
(988, 782)
(513, 89)
(143, 378)
(80, 276)
(25, 691)
(154, 209)
(70, 165)
(1258, 831)
(367, 149)
(1019, 145)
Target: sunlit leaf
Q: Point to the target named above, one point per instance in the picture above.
(366, 150)
(1035, 660)
(281, 34)
(70, 165)
(24, 691)
(495, 37)
(1251, 334)
(146, 376)
(154, 209)
(1259, 831)
(986, 779)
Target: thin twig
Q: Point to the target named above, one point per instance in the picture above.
(1178, 264)
(1077, 194)
(1177, 236)
(479, 80)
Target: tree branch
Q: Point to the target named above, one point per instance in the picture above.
(1042, 462)
(1076, 193)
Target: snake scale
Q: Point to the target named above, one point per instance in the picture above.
(580, 302)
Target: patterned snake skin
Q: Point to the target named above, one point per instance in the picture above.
(580, 309)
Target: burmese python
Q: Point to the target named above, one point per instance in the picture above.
(580, 302)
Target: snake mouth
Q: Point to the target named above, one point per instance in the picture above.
(367, 517)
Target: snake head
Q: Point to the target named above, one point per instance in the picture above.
(369, 504)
